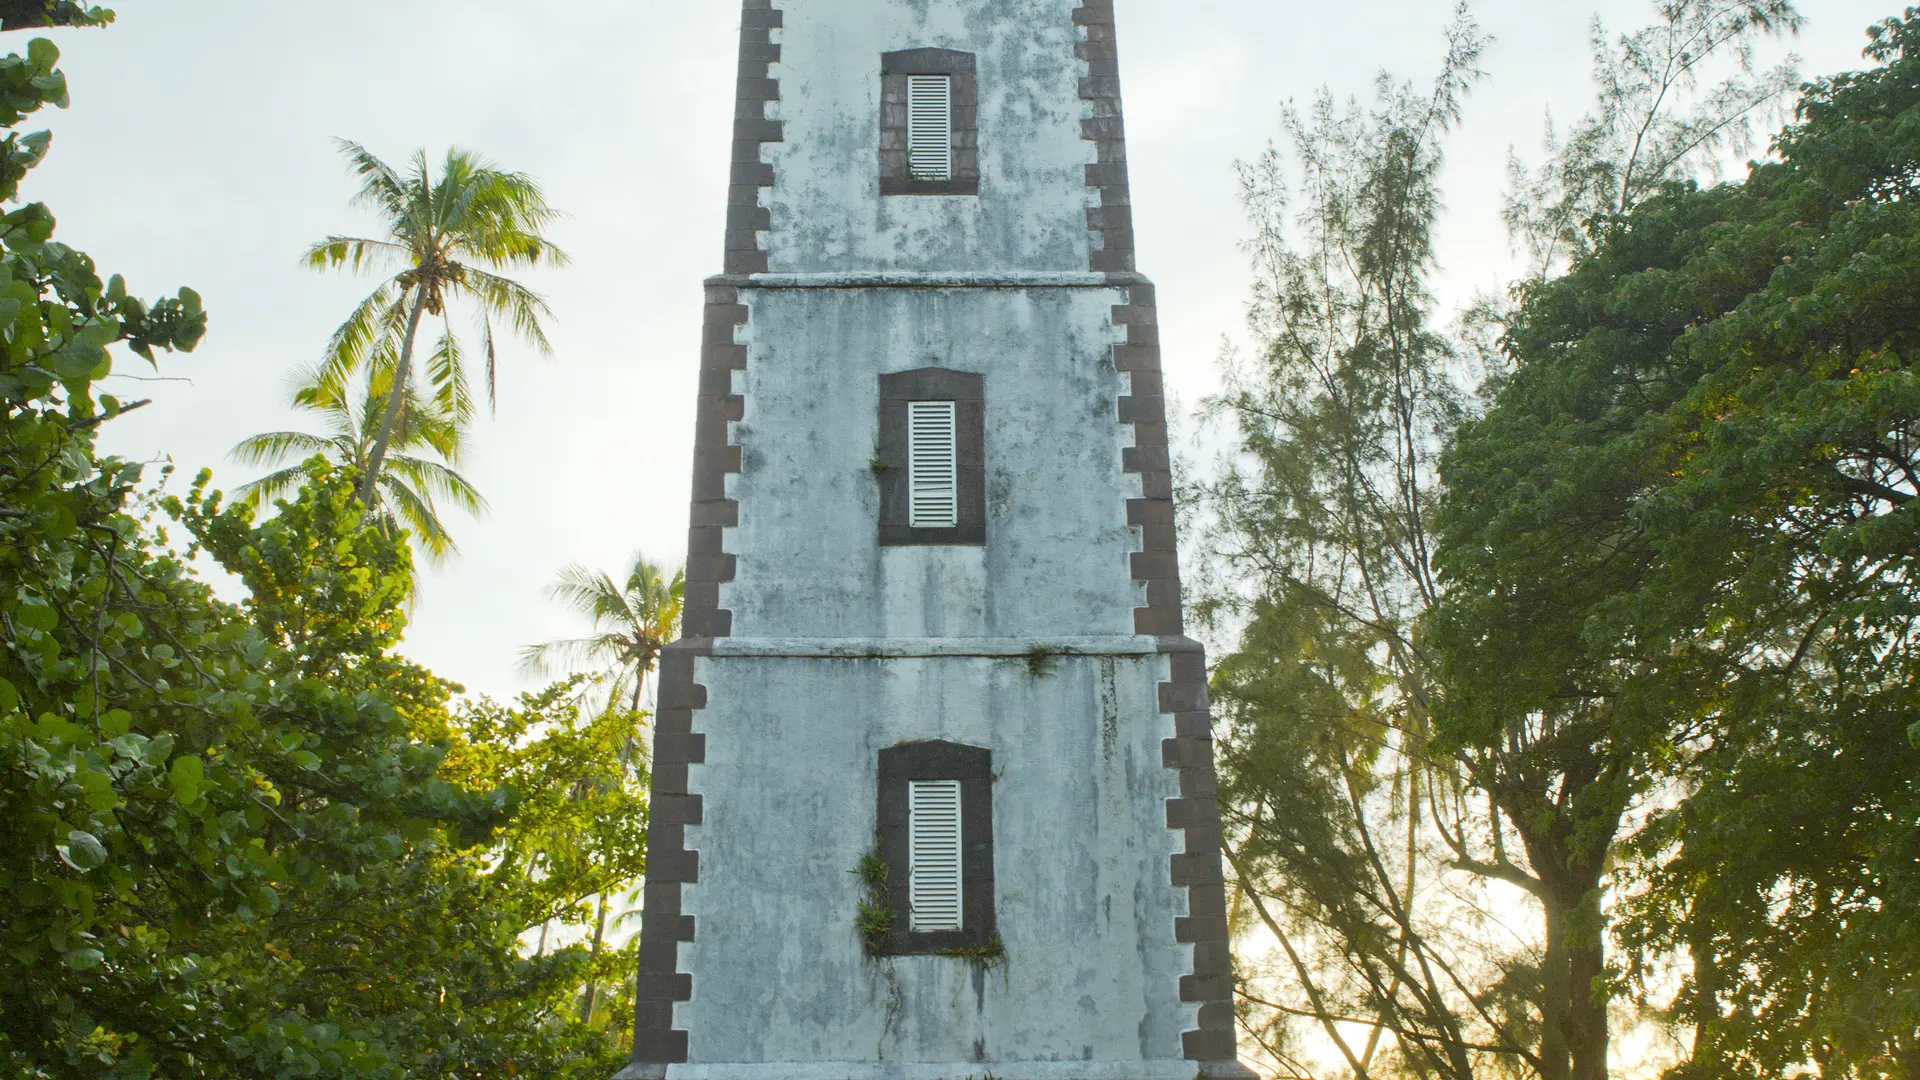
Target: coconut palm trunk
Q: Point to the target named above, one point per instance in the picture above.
(396, 401)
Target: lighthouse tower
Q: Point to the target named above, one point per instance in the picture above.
(933, 788)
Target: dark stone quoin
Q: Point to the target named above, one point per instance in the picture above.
(1190, 752)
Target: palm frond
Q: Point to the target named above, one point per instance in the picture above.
(380, 187)
(355, 252)
(493, 361)
(502, 215)
(522, 307)
(419, 515)
(654, 597)
(271, 486)
(567, 654)
(447, 374)
(368, 336)
(436, 481)
(274, 447)
(589, 592)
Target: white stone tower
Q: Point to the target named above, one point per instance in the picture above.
(933, 625)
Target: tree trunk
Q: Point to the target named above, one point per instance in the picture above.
(396, 402)
(1587, 1034)
(1555, 975)
(1573, 1007)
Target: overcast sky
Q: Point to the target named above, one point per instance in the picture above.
(199, 151)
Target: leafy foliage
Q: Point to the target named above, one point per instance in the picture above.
(1436, 893)
(1334, 808)
(29, 14)
(1684, 546)
(246, 840)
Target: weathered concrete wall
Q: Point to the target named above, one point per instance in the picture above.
(828, 213)
(811, 648)
(1080, 832)
(811, 564)
(1081, 849)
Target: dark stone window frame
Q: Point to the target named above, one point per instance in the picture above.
(967, 391)
(965, 120)
(936, 760)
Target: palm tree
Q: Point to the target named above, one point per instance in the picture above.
(410, 485)
(630, 623)
(445, 238)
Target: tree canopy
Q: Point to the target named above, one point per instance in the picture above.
(1682, 546)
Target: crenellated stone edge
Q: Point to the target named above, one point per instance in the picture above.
(676, 745)
(1196, 813)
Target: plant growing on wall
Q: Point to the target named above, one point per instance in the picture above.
(873, 917)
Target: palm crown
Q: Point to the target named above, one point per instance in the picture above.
(447, 235)
(410, 485)
(631, 623)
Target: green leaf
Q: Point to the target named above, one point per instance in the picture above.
(43, 53)
(9, 697)
(84, 959)
(36, 616)
(187, 777)
(157, 751)
(82, 851)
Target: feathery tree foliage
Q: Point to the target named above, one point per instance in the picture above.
(411, 484)
(1426, 892)
(447, 239)
(1651, 123)
(1684, 547)
(1323, 516)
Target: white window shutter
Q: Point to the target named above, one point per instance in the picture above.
(930, 127)
(932, 466)
(933, 854)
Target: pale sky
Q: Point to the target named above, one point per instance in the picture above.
(199, 151)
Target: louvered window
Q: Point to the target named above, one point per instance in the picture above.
(933, 854)
(932, 465)
(929, 123)
(934, 827)
(930, 127)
